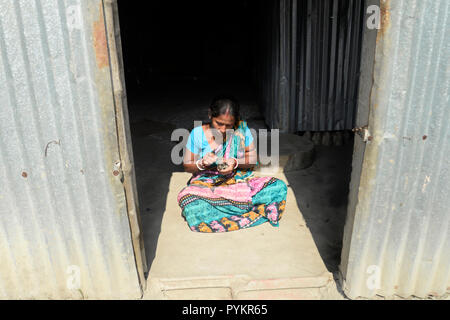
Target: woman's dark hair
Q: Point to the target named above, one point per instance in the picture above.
(225, 104)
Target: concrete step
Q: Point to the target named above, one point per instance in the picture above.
(295, 153)
(242, 287)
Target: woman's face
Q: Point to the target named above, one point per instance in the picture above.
(223, 122)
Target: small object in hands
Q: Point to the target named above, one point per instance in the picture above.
(221, 165)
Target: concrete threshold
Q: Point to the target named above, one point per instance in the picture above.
(239, 287)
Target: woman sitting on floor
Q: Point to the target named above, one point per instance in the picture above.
(223, 193)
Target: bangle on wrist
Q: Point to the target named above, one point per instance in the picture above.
(196, 163)
(237, 163)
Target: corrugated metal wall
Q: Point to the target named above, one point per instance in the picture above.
(268, 69)
(310, 68)
(277, 65)
(329, 54)
(400, 233)
(61, 207)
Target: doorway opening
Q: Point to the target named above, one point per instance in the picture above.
(177, 57)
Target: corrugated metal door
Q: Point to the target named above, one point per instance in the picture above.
(65, 231)
(397, 239)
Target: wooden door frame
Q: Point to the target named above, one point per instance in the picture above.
(112, 26)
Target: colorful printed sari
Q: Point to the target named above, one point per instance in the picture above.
(216, 203)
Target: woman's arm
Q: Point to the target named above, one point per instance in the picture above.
(189, 157)
(190, 160)
(249, 159)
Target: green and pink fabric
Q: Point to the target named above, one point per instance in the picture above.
(215, 203)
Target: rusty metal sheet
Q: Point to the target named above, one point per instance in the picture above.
(399, 240)
(64, 229)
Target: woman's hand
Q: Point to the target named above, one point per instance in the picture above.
(229, 169)
(208, 160)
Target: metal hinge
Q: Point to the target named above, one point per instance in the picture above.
(364, 133)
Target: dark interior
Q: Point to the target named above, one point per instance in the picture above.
(170, 42)
(177, 56)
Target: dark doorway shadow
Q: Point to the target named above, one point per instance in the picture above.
(322, 192)
(177, 57)
(173, 103)
(175, 63)
(154, 168)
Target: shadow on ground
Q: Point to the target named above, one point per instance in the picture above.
(154, 168)
(321, 192)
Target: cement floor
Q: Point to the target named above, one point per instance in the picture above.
(294, 261)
